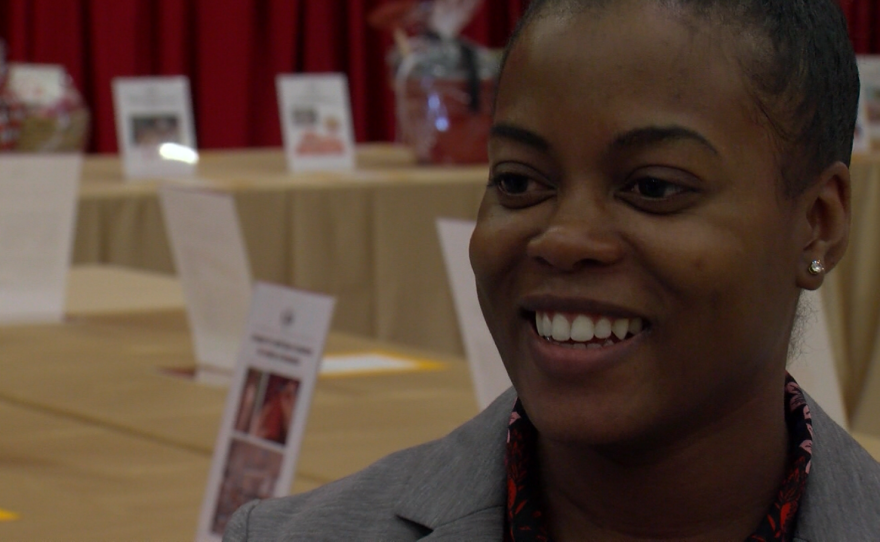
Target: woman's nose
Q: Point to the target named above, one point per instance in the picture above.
(577, 238)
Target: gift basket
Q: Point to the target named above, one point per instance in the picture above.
(444, 84)
(40, 109)
(55, 118)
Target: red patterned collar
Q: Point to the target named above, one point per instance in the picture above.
(524, 521)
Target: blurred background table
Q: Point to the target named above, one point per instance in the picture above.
(366, 236)
(105, 438)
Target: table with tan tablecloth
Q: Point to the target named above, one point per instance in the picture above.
(106, 438)
(368, 237)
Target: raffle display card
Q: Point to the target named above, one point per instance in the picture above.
(316, 122)
(211, 260)
(268, 403)
(487, 370)
(867, 136)
(38, 200)
(154, 127)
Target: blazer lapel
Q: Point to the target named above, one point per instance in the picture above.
(842, 498)
(483, 526)
(458, 490)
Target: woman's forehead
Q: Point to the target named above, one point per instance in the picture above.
(635, 50)
(592, 80)
(632, 20)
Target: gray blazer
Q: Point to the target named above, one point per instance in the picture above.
(453, 489)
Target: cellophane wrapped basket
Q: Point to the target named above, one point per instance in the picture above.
(444, 85)
(40, 109)
(55, 119)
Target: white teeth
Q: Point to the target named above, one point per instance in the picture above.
(635, 325)
(620, 328)
(593, 346)
(582, 329)
(603, 328)
(561, 328)
(609, 342)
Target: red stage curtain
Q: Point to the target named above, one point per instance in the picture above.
(232, 49)
(863, 17)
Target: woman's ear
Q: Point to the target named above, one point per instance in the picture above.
(827, 208)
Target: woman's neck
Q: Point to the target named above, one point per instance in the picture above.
(715, 483)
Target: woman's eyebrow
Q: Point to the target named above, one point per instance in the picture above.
(650, 135)
(639, 137)
(520, 135)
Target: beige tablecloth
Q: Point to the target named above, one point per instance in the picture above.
(104, 438)
(852, 300)
(368, 237)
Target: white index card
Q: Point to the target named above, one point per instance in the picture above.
(316, 122)
(268, 403)
(212, 262)
(487, 369)
(38, 201)
(154, 127)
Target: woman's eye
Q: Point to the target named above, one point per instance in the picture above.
(513, 184)
(518, 190)
(652, 194)
(654, 188)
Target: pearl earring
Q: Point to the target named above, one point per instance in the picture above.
(816, 267)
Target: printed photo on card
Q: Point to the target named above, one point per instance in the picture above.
(154, 127)
(266, 407)
(256, 450)
(315, 113)
(268, 403)
(252, 471)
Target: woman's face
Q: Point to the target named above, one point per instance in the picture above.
(634, 188)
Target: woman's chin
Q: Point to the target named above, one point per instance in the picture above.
(570, 415)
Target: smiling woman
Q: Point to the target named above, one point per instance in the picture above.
(666, 177)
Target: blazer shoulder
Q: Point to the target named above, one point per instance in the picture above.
(363, 506)
(842, 498)
(346, 509)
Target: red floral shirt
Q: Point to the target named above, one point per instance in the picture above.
(525, 516)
